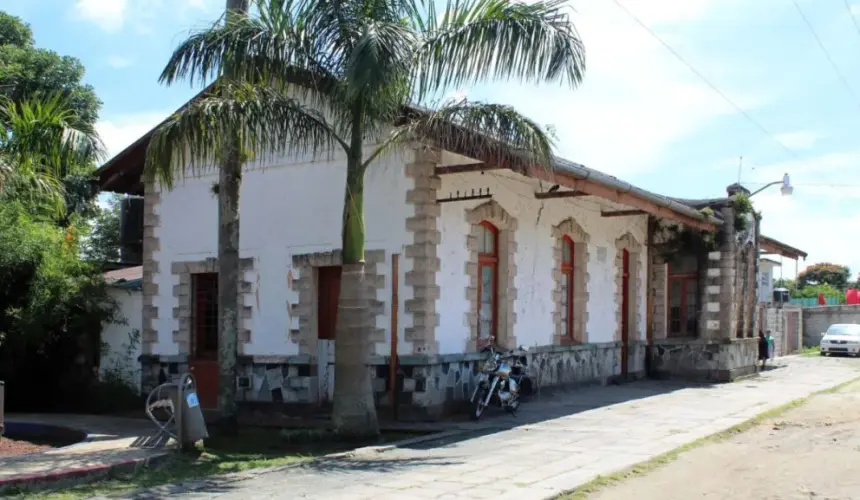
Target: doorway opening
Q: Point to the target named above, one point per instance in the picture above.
(203, 362)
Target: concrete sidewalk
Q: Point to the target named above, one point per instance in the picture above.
(551, 446)
(112, 443)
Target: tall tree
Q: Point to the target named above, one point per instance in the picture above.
(229, 185)
(103, 241)
(28, 72)
(41, 142)
(40, 77)
(824, 273)
(308, 75)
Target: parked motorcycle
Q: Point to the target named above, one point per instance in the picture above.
(500, 381)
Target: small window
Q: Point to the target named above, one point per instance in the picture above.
(205, 315)
(488, 280)
(567, 316)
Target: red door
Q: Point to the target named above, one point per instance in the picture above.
(328, 288)
(625, 310)
(328, 294)
(203, 362)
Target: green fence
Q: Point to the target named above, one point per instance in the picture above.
(813, 301)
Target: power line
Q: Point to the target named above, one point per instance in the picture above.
(704, 79)
(851, 15)
(826, 52)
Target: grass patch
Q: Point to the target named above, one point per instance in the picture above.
(253, 449)
(643, 468)
(811, 351)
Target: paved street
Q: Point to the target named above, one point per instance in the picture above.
(550, 447)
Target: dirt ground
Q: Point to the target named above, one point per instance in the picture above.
(12, 447)
(812, 451)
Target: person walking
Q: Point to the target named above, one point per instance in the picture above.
(762, 349)
(770, 345)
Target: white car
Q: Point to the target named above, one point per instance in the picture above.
(841, 339)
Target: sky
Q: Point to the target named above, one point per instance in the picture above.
(680, 97)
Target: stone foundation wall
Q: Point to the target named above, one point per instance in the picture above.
(705, 360)
(277, 389)
(156, 370)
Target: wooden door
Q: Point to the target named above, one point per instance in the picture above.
(203, 362)
(328, 295)
(625, 311)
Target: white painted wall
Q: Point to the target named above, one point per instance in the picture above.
(534, 305)
(766, 277)
(122, 353)
(292, 206)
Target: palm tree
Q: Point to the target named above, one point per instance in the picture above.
(311, 75)
(42, 142)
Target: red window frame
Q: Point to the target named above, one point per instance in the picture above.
(686, 281)
(567, 270)
(490, 260)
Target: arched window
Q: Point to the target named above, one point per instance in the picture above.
(567, 287)
(488, 280)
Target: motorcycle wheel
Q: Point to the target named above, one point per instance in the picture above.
(478, 410)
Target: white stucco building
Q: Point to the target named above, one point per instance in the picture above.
(457, 249)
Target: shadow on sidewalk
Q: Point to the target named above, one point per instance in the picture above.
(328, 469)
(553, 404)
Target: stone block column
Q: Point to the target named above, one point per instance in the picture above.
(660, 304)
(423, 225)
(151, 221)
(719, 314)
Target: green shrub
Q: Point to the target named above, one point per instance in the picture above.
(52, 307)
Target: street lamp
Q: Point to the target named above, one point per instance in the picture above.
(786, 189)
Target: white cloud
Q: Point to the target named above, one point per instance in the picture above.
(119, 62)
(111, 15)
(798, 140)
(119, 132)
(819, 217)
(637, 99)
(107, 14)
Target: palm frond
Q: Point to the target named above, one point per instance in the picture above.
(48, 129)
(494, 133)
(258, 48)
(28, 183)
(474, 41)
(384, 52)
(268, 120)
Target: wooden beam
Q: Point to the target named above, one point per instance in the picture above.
(613, 195)
(560, 194)
(465, 168)
(595, 189)
(771, 248)
(622, 213)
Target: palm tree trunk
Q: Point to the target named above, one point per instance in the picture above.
(354, 412)
(229, 184)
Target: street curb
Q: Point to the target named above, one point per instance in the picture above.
(79, 474)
